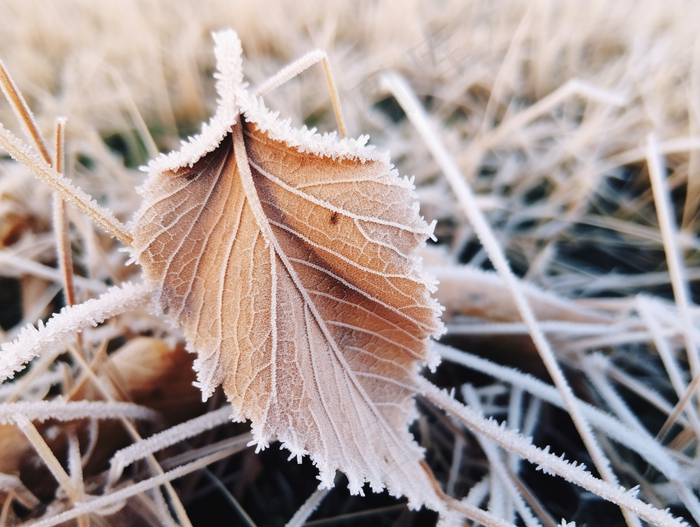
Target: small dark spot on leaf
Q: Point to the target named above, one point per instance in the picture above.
(334, 218)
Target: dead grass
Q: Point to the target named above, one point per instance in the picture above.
(546, 109)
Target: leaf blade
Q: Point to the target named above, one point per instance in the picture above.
(301, 298)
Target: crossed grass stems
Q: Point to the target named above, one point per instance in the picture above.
(50, 169)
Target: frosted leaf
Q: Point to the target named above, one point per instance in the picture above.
(287, 259)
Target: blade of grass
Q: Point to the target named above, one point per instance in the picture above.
(22, 112)
(547, 462)
(103, 217)
(674, 259)
(308, 508)
(417, 115)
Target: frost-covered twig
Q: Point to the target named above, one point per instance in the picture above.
(127, 492)
(650, 450)
(308, 508)
(31, 341)
(62, 410)
(547, 462)
(498, 468)
(140, 449)
(63, 186)
(409, 102)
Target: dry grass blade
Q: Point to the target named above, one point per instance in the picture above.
(498, 466)
(306, 510)
(515, 443)
(62, 410)
(677, 272)
(418, 116)
(104, 218)
(132, 490)
(65, 258)
(23, 113)
(47, 456)
(32, 342)
(652, 451)
(296, 68)
(173, 435)
(62, 185)
(14, 486)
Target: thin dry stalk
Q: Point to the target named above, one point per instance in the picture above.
(671, 366)
(544, 106)
(532, 500)
(233, 445)
(5, 512)
(546, 461)
(60, 224)
(48, 457)
(22, 112)
(294, 69)
(26, 118)
(676, 270)
(498, 467)
(14, 486)
(135, 436)
(124, 457)
(132, 490)
(408, 101)
(104, 218)
(30, 267)
(466, 509)
(650, 450)
(455, 465)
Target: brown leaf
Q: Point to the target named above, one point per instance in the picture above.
(286, 257)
